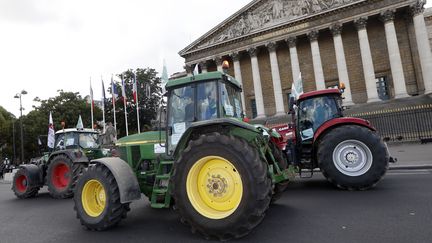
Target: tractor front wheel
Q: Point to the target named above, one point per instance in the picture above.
(220, 186)
(97, 199)
(352, 157)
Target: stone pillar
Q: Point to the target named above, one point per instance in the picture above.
(423, 44)
(316, 60)
(218, 61)
(394, 54)
(257, 83)
(238, 76)
(295, 65)
(336, 30)
(203, 66)
(277, 87)
(366, 56)
(189, 69)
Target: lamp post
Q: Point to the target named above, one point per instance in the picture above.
(18, 96)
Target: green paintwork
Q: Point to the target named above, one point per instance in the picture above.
(201, 77)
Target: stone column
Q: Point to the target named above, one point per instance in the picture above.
(237, 74)
(295, 65)
(394, 54)
(316, 60)
(366, 56)
(203, 66)
(277, 87)
(218, 61)
(189, 69)
(336, 30)
(423, 44)
(257, 83)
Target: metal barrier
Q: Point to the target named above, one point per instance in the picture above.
(402, 124)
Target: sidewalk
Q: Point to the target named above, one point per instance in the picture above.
(411, 155)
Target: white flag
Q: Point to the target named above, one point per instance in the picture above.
(79, 124)
(51, 133)
(297, 87)
(196, 70)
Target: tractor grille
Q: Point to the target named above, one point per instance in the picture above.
(136, 153)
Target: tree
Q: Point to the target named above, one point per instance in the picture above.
(149, 98)
(6, 137)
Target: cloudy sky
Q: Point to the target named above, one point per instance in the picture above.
(46, 45)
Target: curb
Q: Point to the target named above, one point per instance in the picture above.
(411, 167)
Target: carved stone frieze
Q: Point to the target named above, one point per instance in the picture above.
(271, 13)
(387, 15)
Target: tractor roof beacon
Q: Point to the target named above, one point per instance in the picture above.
(217, 171)
(60, 167)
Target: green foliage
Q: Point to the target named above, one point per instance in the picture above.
(6, 143)
(148, 82)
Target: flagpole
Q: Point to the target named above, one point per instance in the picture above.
(114, 101)
(103, 105)
(124, 103)
(136, 102)
(91, 104)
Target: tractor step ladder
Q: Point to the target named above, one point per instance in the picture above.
(160, 197)
(306, 159)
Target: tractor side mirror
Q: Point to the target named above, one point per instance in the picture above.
(291, 103)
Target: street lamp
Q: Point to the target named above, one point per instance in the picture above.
(18, 96)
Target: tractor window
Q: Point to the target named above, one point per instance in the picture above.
(207, 106)
(71, 141)
(59, 145)
(87, 141)
(231, 101)
(181, 112)
(314, 112)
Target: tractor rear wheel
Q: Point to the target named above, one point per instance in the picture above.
(97, 199)
(61, 176)
(21, 187)
(352, 157)
(220, 186)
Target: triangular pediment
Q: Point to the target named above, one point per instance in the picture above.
(261, 15)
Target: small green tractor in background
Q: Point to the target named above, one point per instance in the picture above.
(59, 168)
(217, 171)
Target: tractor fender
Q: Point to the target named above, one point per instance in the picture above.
(124, 176)
(34, 173)
(341, 121)
(75, 155)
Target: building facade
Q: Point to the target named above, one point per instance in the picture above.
(378, 48)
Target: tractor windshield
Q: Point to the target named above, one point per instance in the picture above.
(230, 101)
(314, 112)
(88, 140)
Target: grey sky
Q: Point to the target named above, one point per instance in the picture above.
(47, 45)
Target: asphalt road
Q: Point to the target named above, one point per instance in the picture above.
(399, 209)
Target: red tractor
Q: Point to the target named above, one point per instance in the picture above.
(348, 151)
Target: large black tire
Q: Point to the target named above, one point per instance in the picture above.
(111, 211)
(20, 185)
(62, 175)
(279, 156)
(243, 161)
(352, 157)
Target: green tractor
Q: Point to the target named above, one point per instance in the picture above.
(221, 173)
(59, 168)
(217, 171)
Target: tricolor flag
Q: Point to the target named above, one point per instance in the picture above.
(51, 133)
(103, 105)
(124, 103)
(114, 91)
(134, 90)
(123, 90)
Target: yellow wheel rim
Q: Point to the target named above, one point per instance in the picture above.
(93, 198)
(214, 187)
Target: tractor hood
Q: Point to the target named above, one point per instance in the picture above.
(142, 138)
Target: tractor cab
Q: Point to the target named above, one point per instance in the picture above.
(73, 138)
(316, 108)
(215, 96)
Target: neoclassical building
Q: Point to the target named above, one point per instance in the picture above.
(379, 48)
